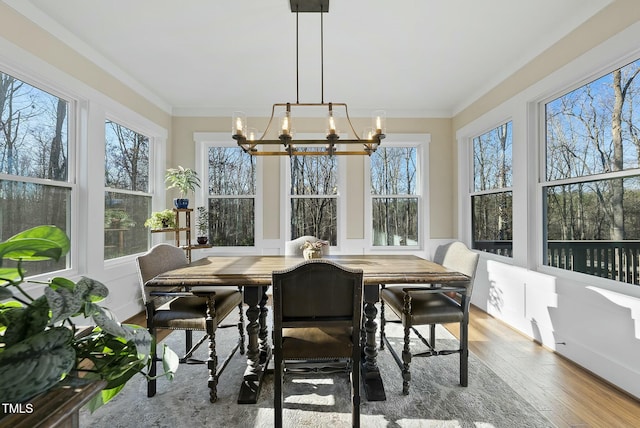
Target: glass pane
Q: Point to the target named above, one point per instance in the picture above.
(492, 223)
(34, 131)
(124, 231)
(26, 205)
(231, 172)
(492, 153)
(395, 221)
(393, 171)
(595, 128)
(231, 222)
(316, 217)
(314, 175)
(126, 158)
(594, 227)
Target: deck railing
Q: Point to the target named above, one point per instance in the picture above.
(617, 260)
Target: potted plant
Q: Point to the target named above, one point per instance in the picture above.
(202, 225)
(185, 180)
(161, 220)
(40, 348)
(313, 250)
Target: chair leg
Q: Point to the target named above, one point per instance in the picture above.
(151, 383)
(355, 393)
(406, 360)
(432, 335)
(464, 353)
(277, 391)
(188, 340)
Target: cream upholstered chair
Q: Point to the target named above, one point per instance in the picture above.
(293, 247)
(177, 309)
(422, 305)
(317, 309)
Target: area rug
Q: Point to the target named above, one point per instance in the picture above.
(436, 399)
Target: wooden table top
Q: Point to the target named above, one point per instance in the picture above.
(257, 270)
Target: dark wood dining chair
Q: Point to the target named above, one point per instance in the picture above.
(178, 309)
(317, 309)
(431, 305)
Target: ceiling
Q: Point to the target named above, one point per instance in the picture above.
(413, 58)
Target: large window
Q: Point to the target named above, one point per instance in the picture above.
(313, 196)
(231, 197)
(127, 194)
(34, 162)
(395, 196)
(491, 199)
(591, 185)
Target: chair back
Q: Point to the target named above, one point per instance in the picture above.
(317, 293)
(456, 256)
(292, 248)
(161, 258)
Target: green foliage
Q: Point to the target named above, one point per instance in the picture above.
(39, 345)
(183, 179)
(161, 220)
(202, 221)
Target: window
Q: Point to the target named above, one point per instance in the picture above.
(395, 196)
(313, 196)
(491, 199)
(127, 194)
(35, 188)
(231, 197)
(591, 184)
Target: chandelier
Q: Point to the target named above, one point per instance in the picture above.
(367, 144)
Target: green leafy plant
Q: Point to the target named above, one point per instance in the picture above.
(161, 220)
(202, 221)
(40, 345)
(183, 179)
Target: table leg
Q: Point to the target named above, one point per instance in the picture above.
(263, 335)
(373, 386)
(250, 388)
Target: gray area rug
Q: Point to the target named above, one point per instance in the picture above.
(436, 399)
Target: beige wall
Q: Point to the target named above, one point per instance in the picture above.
(22, 32)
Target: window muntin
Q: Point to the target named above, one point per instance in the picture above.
(313, 197)
(127, 194)
(34, 162)
(491, 198)
(592, 187)
(231, 197)
(395, 196)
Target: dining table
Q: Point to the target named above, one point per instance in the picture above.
(254, 274)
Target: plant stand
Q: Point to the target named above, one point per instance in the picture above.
(182, 231)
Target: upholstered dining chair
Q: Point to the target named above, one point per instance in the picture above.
(177, 309)
(439, 304)
(293, 247)
(317, 309)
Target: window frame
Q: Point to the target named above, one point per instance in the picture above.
(204, 141)
(421, 142)
(472, 192)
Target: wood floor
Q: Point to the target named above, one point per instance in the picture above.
(566, 394)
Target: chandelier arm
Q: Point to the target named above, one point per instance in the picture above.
(346, 112)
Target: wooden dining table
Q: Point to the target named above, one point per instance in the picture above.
(253, 274)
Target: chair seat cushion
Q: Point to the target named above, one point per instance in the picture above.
(316, 342)
(426, 308)
(190, 312)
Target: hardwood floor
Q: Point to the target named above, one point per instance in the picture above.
(567, 394)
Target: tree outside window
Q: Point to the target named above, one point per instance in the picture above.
(592, 180)
(395, 196)
(491, 199)
(34, 161)
(231, 200)
(127, 200)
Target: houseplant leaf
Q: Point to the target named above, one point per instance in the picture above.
(37, 243)
(35, 364)
(24, 321)
(91, 290)
(64, 303)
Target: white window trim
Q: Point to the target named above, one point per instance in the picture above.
(204, 140)
(421, 142)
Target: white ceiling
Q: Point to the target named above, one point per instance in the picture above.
(412, 58)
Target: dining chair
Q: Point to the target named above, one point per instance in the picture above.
(431, 305)
(317, 309)
(179, 309)
(294, 247)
